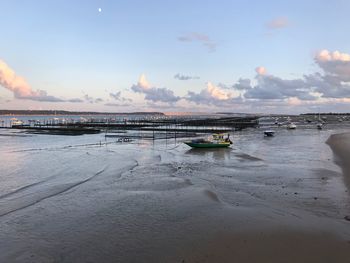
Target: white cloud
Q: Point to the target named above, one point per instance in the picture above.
(152, 93)
(213, 95)
(326, 55)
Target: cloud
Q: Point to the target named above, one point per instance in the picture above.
(201, 38)
(92, 99)
(213, 95)
(20, 88)
(272, 87)
(75, 100)
(88, 98)
(326, 55)
(117, 96)
(261, 70)
(152, 93)
(329, 86)
(242, 84)
(332, 82)
(184, 77)
(117, 104)
(277, 23)
(335, 80)
(334, 63)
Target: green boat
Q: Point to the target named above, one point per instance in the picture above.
(218, 141)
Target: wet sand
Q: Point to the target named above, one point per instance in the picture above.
(265, 200)
(269, 243)
(340, 144)
(272, 246)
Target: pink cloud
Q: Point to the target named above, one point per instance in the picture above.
(14, 83)
(279, 22)
(261, 70)
(20, 88)
(326, 55)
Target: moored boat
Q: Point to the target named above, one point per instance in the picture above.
(217, 141)
(269, 133)
(291, 126)
(320, 122)
(16, 123)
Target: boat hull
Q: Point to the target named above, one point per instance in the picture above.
(269, 133)
(207, 145)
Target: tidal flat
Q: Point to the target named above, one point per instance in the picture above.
(91, 199)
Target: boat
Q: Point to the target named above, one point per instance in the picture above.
(16, 123)
(269, 133)
(291, 126)
(320, 122)
(217, 141)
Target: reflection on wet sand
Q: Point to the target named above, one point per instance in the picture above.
(340, 144)
(217, 154)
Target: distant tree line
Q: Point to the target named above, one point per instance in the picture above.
(62, 112)
(330, 113)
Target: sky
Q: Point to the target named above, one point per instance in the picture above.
(175, 56)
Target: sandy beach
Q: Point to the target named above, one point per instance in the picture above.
(281, 199)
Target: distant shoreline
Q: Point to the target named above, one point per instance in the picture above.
(87, 113)
(64, 113)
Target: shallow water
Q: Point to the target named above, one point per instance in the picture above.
(85, 198)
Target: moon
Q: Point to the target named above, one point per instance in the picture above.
(100, 10)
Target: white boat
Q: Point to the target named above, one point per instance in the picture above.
(16, 122)
(291, 126)
(269, 133)
(320, 122)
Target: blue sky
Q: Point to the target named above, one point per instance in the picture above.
(69, 50)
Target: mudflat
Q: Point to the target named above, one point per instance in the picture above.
(340, 144)
(280, 199)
